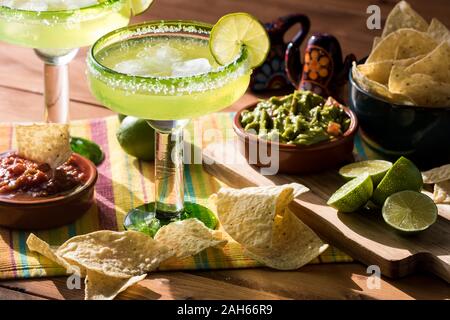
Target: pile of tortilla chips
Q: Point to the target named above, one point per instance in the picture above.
(410, 63)
(44, 143)
(112, 261)
(440, 177)
(259, 219)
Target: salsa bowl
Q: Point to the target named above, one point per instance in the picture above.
(52, 211)
(419, 133)
(297, 159)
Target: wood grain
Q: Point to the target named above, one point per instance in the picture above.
(8, 294)
(347, 281)
(22, 105)
(364, 236)
(337, 281)
(174, 285)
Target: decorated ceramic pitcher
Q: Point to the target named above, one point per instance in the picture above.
(322, 71)
(271, 74)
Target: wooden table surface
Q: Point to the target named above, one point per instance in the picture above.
(21, 99)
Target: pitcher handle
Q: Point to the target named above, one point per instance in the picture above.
(293, 64)
(346, 66)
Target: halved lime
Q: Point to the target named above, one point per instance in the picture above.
(235, 30)
(352, 195)
(140, 6)
(403, 175)
(375, 168)
(409, 211)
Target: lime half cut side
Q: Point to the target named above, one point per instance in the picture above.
(352, 195)
(409, 211)
(235, 30)
(140, 6)
(375, 168)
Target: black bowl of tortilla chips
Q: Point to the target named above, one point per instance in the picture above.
(401, 91)
(420, 133)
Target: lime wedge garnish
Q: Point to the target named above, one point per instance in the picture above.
(352, 195)
(235, 30)
(140, 6)
(403, 175)
(375, 168)
(409, 211)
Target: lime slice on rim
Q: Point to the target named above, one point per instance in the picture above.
(403, 175)
(140, 6)
(352, 195)
(235, 30)
(409, 211)
(375, 168)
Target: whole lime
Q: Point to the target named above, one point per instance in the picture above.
(136, 138)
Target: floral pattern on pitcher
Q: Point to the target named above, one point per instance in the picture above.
(317, 70)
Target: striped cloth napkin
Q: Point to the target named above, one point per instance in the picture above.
(125, 183)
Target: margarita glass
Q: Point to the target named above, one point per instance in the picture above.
(163, 71)
(56, 32)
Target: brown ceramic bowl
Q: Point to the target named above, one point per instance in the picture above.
(51, 212)
(299, 159)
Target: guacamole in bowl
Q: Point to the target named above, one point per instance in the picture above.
(301, 118)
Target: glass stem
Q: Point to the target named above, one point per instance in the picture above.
(169, 182)
(56, 83)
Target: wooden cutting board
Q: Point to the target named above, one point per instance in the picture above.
(364, 236)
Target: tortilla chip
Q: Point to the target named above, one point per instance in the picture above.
(294, 245)
(436, 175)
(377, 71)
(438, 31)
(441, 192)
(402, 44)
(403, 16)
(116, 254)
(101, 287)
(38, 245)
(189, 237)
(248, 214)
(436, 64)
(98, 285)
(44, 143)
(380, 71)
(422, 88)
(376, 41)
(379, 89)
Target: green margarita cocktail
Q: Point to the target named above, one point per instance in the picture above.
(162, 76)
(60, 24)
(56, 29)
(165, 72)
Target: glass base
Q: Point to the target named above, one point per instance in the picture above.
(146, 220)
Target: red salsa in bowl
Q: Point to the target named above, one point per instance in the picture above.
(33, 196)
(25, 179)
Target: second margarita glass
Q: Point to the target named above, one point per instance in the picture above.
(56, 36)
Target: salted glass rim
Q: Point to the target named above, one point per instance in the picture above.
(160, 28)
(4, 10)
